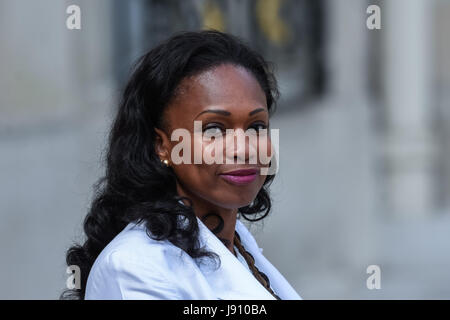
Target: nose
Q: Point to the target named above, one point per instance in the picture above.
(241, 148)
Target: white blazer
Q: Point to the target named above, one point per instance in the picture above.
(134, 266)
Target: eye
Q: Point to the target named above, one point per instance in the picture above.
(212, 130)
(258, 126)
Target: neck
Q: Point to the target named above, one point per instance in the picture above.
(203, 210)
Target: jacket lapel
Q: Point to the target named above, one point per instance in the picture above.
(277, 281)
(231, 280)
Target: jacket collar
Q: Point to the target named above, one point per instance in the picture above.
(232, 280)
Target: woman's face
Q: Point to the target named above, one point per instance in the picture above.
(225, 97)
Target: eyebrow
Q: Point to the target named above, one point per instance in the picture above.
(256, 111)
(227, 113)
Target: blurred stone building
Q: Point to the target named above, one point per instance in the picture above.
(364, 125)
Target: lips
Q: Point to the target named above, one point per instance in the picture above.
(241, 176)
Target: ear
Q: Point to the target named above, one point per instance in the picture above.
(162, 144)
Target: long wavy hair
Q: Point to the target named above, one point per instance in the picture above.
(136, 185)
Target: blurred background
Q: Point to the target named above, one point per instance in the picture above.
(364, 125)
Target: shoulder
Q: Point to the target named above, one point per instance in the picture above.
(135, 266)
(134, 244)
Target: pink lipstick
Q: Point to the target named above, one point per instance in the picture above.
(240, 177)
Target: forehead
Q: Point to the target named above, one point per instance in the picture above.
(227, 87)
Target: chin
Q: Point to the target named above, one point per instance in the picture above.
(236, 201)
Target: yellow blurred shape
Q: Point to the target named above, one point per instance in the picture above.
(270, 22)
(213, 17)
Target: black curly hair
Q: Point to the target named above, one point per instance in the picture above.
(136, 185)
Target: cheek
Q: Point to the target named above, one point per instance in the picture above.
(198, 179)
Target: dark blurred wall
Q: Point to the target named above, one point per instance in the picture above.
(288, 33)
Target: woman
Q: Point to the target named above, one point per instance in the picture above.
(161, 228)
